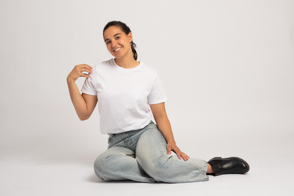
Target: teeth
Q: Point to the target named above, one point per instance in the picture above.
(117, 49)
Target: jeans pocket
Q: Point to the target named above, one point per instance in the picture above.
(110, 138)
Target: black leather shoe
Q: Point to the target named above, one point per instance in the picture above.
(230, 165)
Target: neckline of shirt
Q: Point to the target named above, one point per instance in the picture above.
(127, 69)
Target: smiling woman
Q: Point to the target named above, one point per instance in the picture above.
(119, 42)
(130, 92)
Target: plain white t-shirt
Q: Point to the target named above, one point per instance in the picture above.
(124, 95)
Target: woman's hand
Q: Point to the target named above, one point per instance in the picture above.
(171, 146)
(78, 72)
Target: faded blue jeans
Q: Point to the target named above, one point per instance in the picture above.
(141, 155)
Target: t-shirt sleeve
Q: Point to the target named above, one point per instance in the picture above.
(157, 94)
(88, 86)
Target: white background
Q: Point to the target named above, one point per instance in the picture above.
(227, 68)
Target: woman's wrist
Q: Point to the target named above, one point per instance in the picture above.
(171, 141)
(68, 80)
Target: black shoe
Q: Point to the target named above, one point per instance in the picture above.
(231, 165)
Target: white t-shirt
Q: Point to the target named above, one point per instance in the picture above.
(124, 95)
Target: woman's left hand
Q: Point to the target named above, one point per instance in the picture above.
(171, 146)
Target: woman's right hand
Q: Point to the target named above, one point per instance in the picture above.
(78, 72)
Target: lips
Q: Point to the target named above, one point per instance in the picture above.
(116, 50)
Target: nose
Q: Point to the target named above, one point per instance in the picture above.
(113, 44)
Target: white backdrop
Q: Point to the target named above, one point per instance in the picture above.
(227, 68)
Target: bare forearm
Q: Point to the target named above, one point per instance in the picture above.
(77, 100)
(164, 126)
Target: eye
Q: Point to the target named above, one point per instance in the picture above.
(108, 42)
(117, 37)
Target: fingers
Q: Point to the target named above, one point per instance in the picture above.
(168, 150)
(178, 152)
(84, 68)
(78, 72)
(85, 75)
(80, 69)
(179, 155)
(183, 155)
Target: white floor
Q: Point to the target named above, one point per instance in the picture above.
(71, 173)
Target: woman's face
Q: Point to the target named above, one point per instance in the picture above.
(117, 42)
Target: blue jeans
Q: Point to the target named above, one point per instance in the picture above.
(141, 155)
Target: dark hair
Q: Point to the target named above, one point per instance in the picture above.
(126, 30)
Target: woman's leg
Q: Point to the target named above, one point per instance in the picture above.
(151, 154)
(118, 163)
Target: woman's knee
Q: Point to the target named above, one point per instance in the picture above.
(100, 167)
(156, 168)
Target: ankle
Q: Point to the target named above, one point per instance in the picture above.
(209, 169)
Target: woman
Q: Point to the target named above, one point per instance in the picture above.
(138, 149)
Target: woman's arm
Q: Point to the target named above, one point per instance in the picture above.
(162, 121)
(84, 104)
(164, 126)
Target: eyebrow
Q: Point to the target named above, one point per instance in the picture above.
(113, 36)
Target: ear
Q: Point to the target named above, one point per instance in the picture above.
(130, 36)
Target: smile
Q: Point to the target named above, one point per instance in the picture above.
(118, 49)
